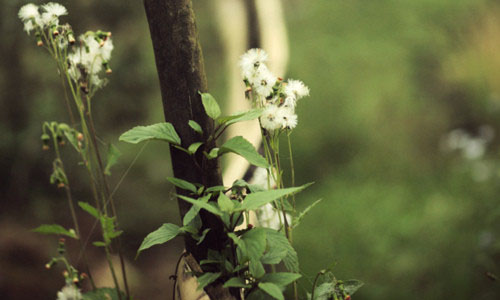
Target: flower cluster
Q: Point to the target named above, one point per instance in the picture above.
(82, 61)
(277, 97)
(69, 292)
(48, 18)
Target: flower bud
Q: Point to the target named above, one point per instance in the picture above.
(65, 274)
(60, 185)
(79, 137)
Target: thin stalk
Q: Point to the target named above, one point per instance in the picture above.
(72, 209)
(113, 274)
(108, 196)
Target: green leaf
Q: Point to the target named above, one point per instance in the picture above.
(256, 268)
(255, 242)
(89, 208)
(203, 235)
(278, 240)
(183, 184)
(281, 278)
(324, 291)
(352, 285)
(217, 188)
(161, 235)
(207, 206)
(160, 131)
(190, 215)
(55, 229)
(240, 117)
(207, 278)
(225, 204)
(297, 220)
(236, 282)
(99, 244)
(71, 135)
(210, 104)
(273, 256)
(244, 148)
(256, 200)
(272, 290)
(213, 153)
(257, 294)
(194, 147)
(196, 127)
(111, 158)
(103, 294)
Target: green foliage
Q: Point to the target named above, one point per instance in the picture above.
(196, 127)
(161, 235)
(111, 158)
(89, 209)
(303, 213)
(256, 200)
(183, 184)
(207, 278)
(210, 104)
(160, 131)
(272, 289)
(244, 148)
(240, 117)
(55, 229)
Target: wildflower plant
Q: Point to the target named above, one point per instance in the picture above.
(242, 263)
(82, 64)
(258, 260)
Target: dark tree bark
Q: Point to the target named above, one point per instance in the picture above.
(179, 62)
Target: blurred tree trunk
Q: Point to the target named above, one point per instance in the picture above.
(179, 62)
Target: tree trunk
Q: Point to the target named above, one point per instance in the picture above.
(179, 62)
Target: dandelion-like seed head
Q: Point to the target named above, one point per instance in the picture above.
(269, 120)
(69, 292)
(28, 12)
(252, 61)
(55, 9)
(296, 89)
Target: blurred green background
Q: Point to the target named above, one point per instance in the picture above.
(400, 134)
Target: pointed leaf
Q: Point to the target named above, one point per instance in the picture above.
(55, 229)
(207, 278)
(225, 204)
(272, 290)
(213, 153)
(160, 131)
(352, 285)
(281, 279)
(161, 235)
(236, 282)
(210, 104)
(278, 240)
(244, 148)
(256, 268)
(194, 147)
(240, 117)
(89, 208)
(183, 184)
(297, 220)
(255, 242)
(207, 206)
(196, 127)
(256, 200)
(112, 158)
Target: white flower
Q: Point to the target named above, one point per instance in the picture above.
(296, 89)
(55, 9)
(264, 81)
(269, 120)
(260, 178)
(251, 61)
(28, 12)
(69, 292)
(269, 217)
(286, 117)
